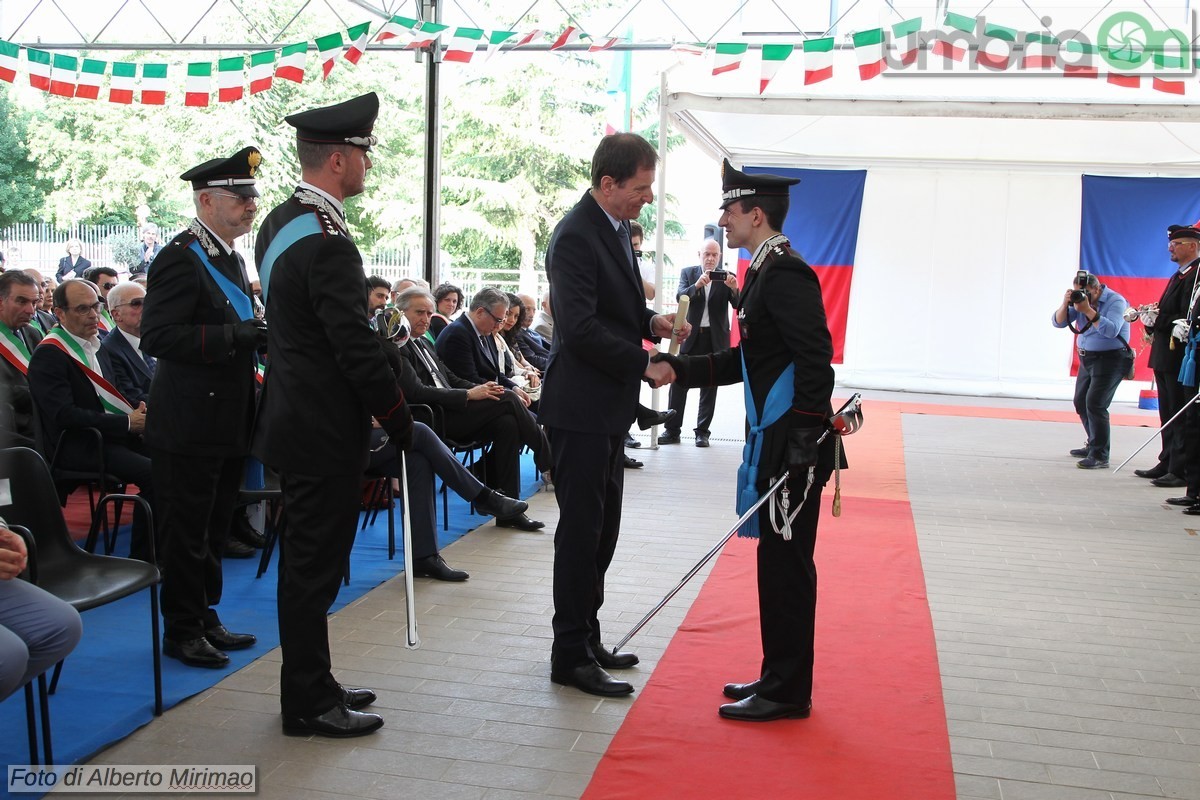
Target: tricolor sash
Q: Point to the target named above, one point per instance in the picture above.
(291, 233)
(106, 323)
(233, 293)
(110, 398)
(779, 400)
(13, 349)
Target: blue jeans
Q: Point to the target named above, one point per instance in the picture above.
(1100, 373)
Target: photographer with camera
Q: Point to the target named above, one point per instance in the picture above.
(1095, 315)
(711, 291)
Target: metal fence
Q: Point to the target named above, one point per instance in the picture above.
(39, 245)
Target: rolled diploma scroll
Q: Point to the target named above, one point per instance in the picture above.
(680, 321)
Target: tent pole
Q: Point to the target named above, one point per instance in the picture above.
(660, 229)
(431, 12)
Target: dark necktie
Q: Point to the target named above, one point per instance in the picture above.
(151, 362)
(439, 379)
(623, 233)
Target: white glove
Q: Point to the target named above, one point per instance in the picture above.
(1181, 330)
(1149, 315)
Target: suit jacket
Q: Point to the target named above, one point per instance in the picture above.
(720, 298)
(203, 394)
(148, 255)
(65, 266)
(66, 400)
(131, 374)
(327, 374)
(17, 396)
(419, 385)
(594, 373)
(1172, 305)
(43, 321)
(533, 347)
(471, 359)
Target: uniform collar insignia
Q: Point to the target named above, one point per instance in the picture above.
(205, 238)
(773, 246)
(310, 198)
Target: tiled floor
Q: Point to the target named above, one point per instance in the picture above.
(1064, 604)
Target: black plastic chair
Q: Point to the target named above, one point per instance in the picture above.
(43, 694)
(80, 578)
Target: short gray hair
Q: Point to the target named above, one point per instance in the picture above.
(405, 298)
(424, 284)
(488, 297)
(119, 294)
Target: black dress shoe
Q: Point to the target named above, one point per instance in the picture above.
(220, 638)
(1157, 472)
(610, 660)
(701, 439)
(1193, 511)
(647, 417)
(354, 699)
(436, 567)
(1168, 481)
(740, 691)
(633, 463)
(632, 443)
(338, 722)
(760, 709)
(521, 522)
(1080, 452)
(494, 504)
(591, 678)
(668, 438)
(196, 653)
(236, 549)
(1186, 500)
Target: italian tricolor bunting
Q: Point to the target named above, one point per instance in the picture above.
(262, 70)
(868, 46)
(231, 75)
(728, 57)
(497, 38)
(39, 68)
(198, 86)
(358, 36)
(996, 47)
(906, 35)
(425, 34)
(154, 84)
(462, 44)
(9, 55)
(91, 75)
(569, 36)
(818, 60)
(396, 28)
(603, 44)
(327, 51)
(124, 75)
(291, 62)
(62, 75)
(1081, 61)
(952, 43)
(1041, 51)
(773, 56)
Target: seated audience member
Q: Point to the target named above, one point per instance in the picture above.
(535, 349)
(104, 279)
(467, 347)
(543, 322)
(449, 300)
(18, 297)
(71, 393)
(42, 320)
(378, 295)
(427, 457)
(514, 365)
(471, 411)
(72, 265)
(407, 283)
(131, 369)
(37, 630)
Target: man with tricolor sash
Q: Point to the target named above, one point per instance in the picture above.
(19, 294)
(71, 393)
(783, 360)
(199, 323)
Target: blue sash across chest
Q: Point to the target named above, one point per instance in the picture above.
(779, 400)
(233, 293)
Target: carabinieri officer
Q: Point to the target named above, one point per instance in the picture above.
(784, 359)
(198, 323)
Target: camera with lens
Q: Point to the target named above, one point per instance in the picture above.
(1081, 282)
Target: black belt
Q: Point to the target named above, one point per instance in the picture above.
(1083, 352)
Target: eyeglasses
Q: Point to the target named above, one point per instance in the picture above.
(108, 285)
(499, 320)
(138, 303)
(242, 199)
(83, 311)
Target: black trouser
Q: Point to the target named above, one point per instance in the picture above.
(322, 518)
(787, 600)
(508, 425)
(1172, 396)
(677, 397)
(130, 466)
(589, 477)
(196, 499)
(1100, 373)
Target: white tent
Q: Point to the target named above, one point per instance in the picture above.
(971, 216)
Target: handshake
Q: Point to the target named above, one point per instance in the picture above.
(665, 368)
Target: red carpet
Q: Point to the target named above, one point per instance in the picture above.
(878, 726)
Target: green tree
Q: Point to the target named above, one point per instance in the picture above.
(22, 191)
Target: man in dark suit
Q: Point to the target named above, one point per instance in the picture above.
(472, 411)
(1166, 355)
(708, 312)
(42, 320)
(326, 377)
(19, 295)
(590, 398)
(467, 347)
(120, 353)
(200, 326)
(71, 392)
